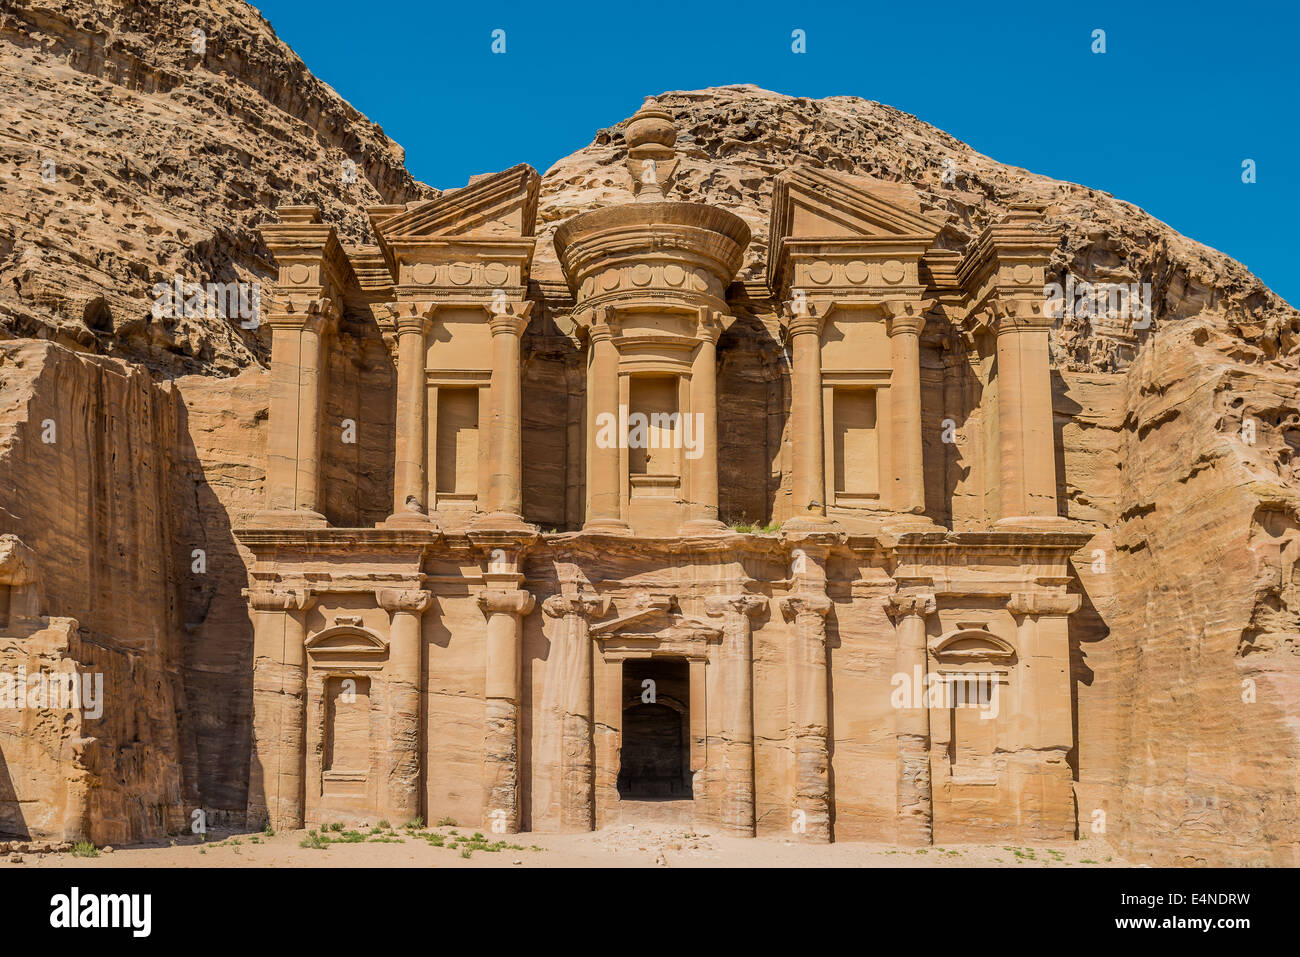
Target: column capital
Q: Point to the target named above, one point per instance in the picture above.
(601, 330)
(1039, 603)
(280, 599)
(298, 312)
(570, 606)
(799, 324)
(509, 602)
(907, 316)
(747, 605)
(393, 600)
(1019, 315)
(911, 604)
(507, 324)
(709, 324)
(413, 315)
(797, 606)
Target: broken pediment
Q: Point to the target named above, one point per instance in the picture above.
(817, 204)
(848, 227)
(655, 626)
(498, 205)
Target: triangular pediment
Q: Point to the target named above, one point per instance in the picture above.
(499, 205)
(817, 204)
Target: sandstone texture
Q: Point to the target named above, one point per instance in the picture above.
(163, 160)
(1176, 442)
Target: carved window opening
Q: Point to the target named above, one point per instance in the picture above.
(655, 760)
(347, 726)
(458, 443)
(856, 444)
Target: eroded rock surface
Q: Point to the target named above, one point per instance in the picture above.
(136, 149)
(1178, 440)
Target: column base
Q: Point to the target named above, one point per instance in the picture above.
(702, 526)
(500, 522)
(287, 518)
(910, 524)
(808, 524)
(409, 520)
(1055, 523)
(607, 526)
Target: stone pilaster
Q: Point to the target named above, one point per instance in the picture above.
(1027, 474)
(505, 609)
(604, 475)
(703, 470)
(405, 680)
(504, 500)
(915, 808)
(410, 487)
(737, 656)
(298, 333)
(811, 724)
(276, 771)
(906, 321)
(571, 670)
(1043, 653)
(806, 426)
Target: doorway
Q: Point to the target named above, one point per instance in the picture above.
(655, 761)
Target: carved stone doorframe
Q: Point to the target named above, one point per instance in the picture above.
(681, 637)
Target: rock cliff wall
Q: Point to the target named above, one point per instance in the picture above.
(1178, 439)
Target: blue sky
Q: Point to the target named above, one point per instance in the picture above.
(1184, 93)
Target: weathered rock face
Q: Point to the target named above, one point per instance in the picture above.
(138, 150)
(85, 480)
(1177, 441)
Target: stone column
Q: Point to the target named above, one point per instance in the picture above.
(1036, 727)
(906, 320)
(812, 788)
(915, 809)
(704, 429)
(409, 485)
(405, 676)
(572, 668)
(604, 478)
(737, 708)
(504, 500)
(1043, 659)
(293, 445)
(809, 485)
(505, 610)
(276, 772)
(1026, 434)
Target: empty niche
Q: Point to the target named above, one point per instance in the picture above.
(457, 442)
(857, 452)
(652, 440)
(347, 725)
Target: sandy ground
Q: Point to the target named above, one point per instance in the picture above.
(640, 845)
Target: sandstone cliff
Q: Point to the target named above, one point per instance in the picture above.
(1178, 439)
(136, 149)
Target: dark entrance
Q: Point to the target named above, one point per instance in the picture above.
(656, 755)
